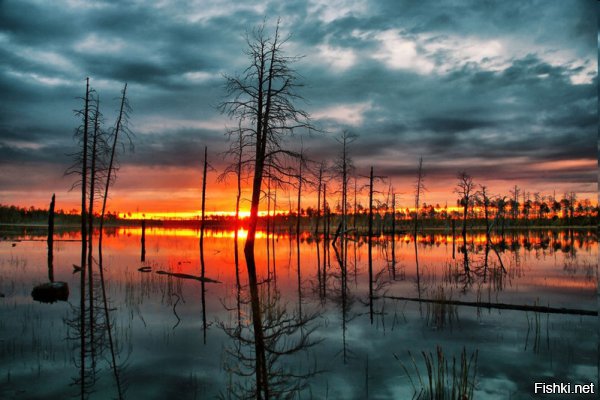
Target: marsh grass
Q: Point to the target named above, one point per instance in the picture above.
(441, 314)
(444, 381)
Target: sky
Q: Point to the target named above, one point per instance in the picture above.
(506, 91)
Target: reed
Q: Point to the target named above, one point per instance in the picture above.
(444, 381)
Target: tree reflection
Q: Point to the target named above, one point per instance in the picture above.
(95, 337)
(270, 356)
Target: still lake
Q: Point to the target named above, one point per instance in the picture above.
(357, 334)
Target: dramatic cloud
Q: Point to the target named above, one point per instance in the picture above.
(506, 91)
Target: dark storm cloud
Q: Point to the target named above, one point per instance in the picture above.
(450, 80)
(179, 148)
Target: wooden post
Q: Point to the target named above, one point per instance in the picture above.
(143, 257)
(51, 240)
(453, 239)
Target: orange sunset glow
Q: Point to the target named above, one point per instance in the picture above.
(416, 184)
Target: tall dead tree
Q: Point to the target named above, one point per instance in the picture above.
(262, 100)
(319, 189)
(485, 201)
(95, 159)
(344, 166)
(419, 188)
(465, 190)
(50, 240)
(120, 129)
(370, 249)
(84, 174)
(514, 202)
(202, 224)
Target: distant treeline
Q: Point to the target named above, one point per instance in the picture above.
(582, 214)
(32, 215)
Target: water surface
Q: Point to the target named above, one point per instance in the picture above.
(340, 327)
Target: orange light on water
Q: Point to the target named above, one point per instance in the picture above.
(188, 215)
(187, 232)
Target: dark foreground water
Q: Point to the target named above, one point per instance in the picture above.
(336, 329)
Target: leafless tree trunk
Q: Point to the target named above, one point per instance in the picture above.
(486, 203)
(50, 240)
(419, 187)
(263, 98)
(394, 236)
(319, 187)
(202, 223)
(120, 126)
(370, 247)
(465, 190)
(92, 196)
(84, 173)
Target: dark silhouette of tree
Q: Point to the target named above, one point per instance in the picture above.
(120, 129)
(202, 223)
(419, 188)
(344, 167)
(262, 101)
(483, 199)
(81, 161)
(514, 202)
(96, 165)
(466, 192)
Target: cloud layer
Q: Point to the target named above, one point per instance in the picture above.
(506, 91)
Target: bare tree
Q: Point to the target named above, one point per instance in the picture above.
(96, 165)
(514, 202)
(343, 167)
(419, 188)
(466, 192)
(262, 101)
(484, 200)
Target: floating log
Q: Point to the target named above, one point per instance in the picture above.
(51, 292)
(188, 276)
(145, 269)
(501, 306)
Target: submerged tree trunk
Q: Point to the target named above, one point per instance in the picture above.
(143, 241)
(118, 127)
(84, 172)
(393, 236)
(320, 183)
(370, 247)
(202, 266)
(50, 240)
(92, 196)
(418, 188)
(262, 98)
(298, 203)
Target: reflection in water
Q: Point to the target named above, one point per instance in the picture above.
(303, 330)
(284, 334)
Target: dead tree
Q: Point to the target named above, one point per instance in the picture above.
(50, 239)
(485, 201)
(202, 223)
(262, 101)
(120, 129)
(466, 191)
(419, 187)
(319, 188)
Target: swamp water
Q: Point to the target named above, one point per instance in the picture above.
(336, 330)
